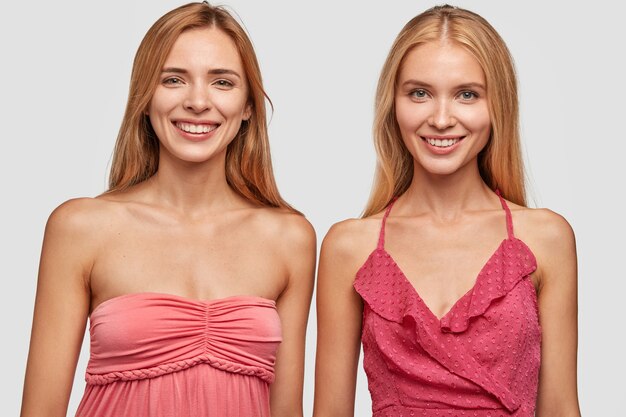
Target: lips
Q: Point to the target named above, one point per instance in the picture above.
(196, 128)
(442, 145)
(442, 142)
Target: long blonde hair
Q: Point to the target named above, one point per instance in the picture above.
(248, 162)
(500, 162)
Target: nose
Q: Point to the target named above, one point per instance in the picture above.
(197, 99)
(442, 117)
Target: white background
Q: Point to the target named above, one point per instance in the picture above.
(64, 78)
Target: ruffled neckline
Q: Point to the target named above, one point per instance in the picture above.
(396, 298)
(389, 294)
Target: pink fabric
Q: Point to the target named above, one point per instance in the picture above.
(481, 359)
(164, 355)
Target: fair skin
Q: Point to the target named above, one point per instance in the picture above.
(181, 232)
(447, 213)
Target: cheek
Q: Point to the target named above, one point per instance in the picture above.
(157, 118)
(230, 105)
(476, 119)
(410, 116)
(161, 104)
(409, 120)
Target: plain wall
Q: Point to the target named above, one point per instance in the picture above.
(65, 72)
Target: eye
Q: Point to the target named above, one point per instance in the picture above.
(172, 81)
(419, 93)
(468, 95)
(223, 84)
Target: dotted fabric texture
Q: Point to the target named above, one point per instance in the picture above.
(480, 359)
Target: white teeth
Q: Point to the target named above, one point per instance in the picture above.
(442, 143)
(191, 128)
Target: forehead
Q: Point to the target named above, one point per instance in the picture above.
(204, 48)
(441, 63)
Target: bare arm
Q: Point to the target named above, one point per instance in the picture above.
(61, 310)
(339, 311)
(293, 307)
(558, 313)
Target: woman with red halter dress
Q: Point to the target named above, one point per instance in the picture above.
(194, 273)
(464, 298)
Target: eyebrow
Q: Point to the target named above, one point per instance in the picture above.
(460, 86)
(215, 71)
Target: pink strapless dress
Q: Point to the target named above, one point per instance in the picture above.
(164, 355)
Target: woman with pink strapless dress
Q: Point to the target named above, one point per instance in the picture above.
(463, 298)
(194, 275)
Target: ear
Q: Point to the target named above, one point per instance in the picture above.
(247, 113)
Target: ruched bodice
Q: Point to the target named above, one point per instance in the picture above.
(147, 340)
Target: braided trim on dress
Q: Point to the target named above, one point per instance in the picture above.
(155, 371)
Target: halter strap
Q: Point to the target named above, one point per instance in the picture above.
(509, 219)
(507, 211)
(381, 236)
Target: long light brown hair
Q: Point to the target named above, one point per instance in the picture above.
(500, 162)
(248, 162)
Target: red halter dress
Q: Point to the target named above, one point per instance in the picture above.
(481, 359)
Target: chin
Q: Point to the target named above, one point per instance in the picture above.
(200, 158)
(440, 167)
(193, 153)
(441, 171)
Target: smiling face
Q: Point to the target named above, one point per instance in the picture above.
(441, 107)
(202, 97)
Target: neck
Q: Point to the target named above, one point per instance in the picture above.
(447, 197)
(192, 188)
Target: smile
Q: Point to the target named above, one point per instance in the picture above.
(442, 142)
(196, 128)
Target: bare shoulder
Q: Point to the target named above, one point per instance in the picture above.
(290, 230)
(352, 240)
(84, 221)
(290, 237)
(551, 239)
(72, 240)
(542, 225)
(344, 235)
(78, 215)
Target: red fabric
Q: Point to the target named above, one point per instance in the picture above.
(481, 359)
(163, 355)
